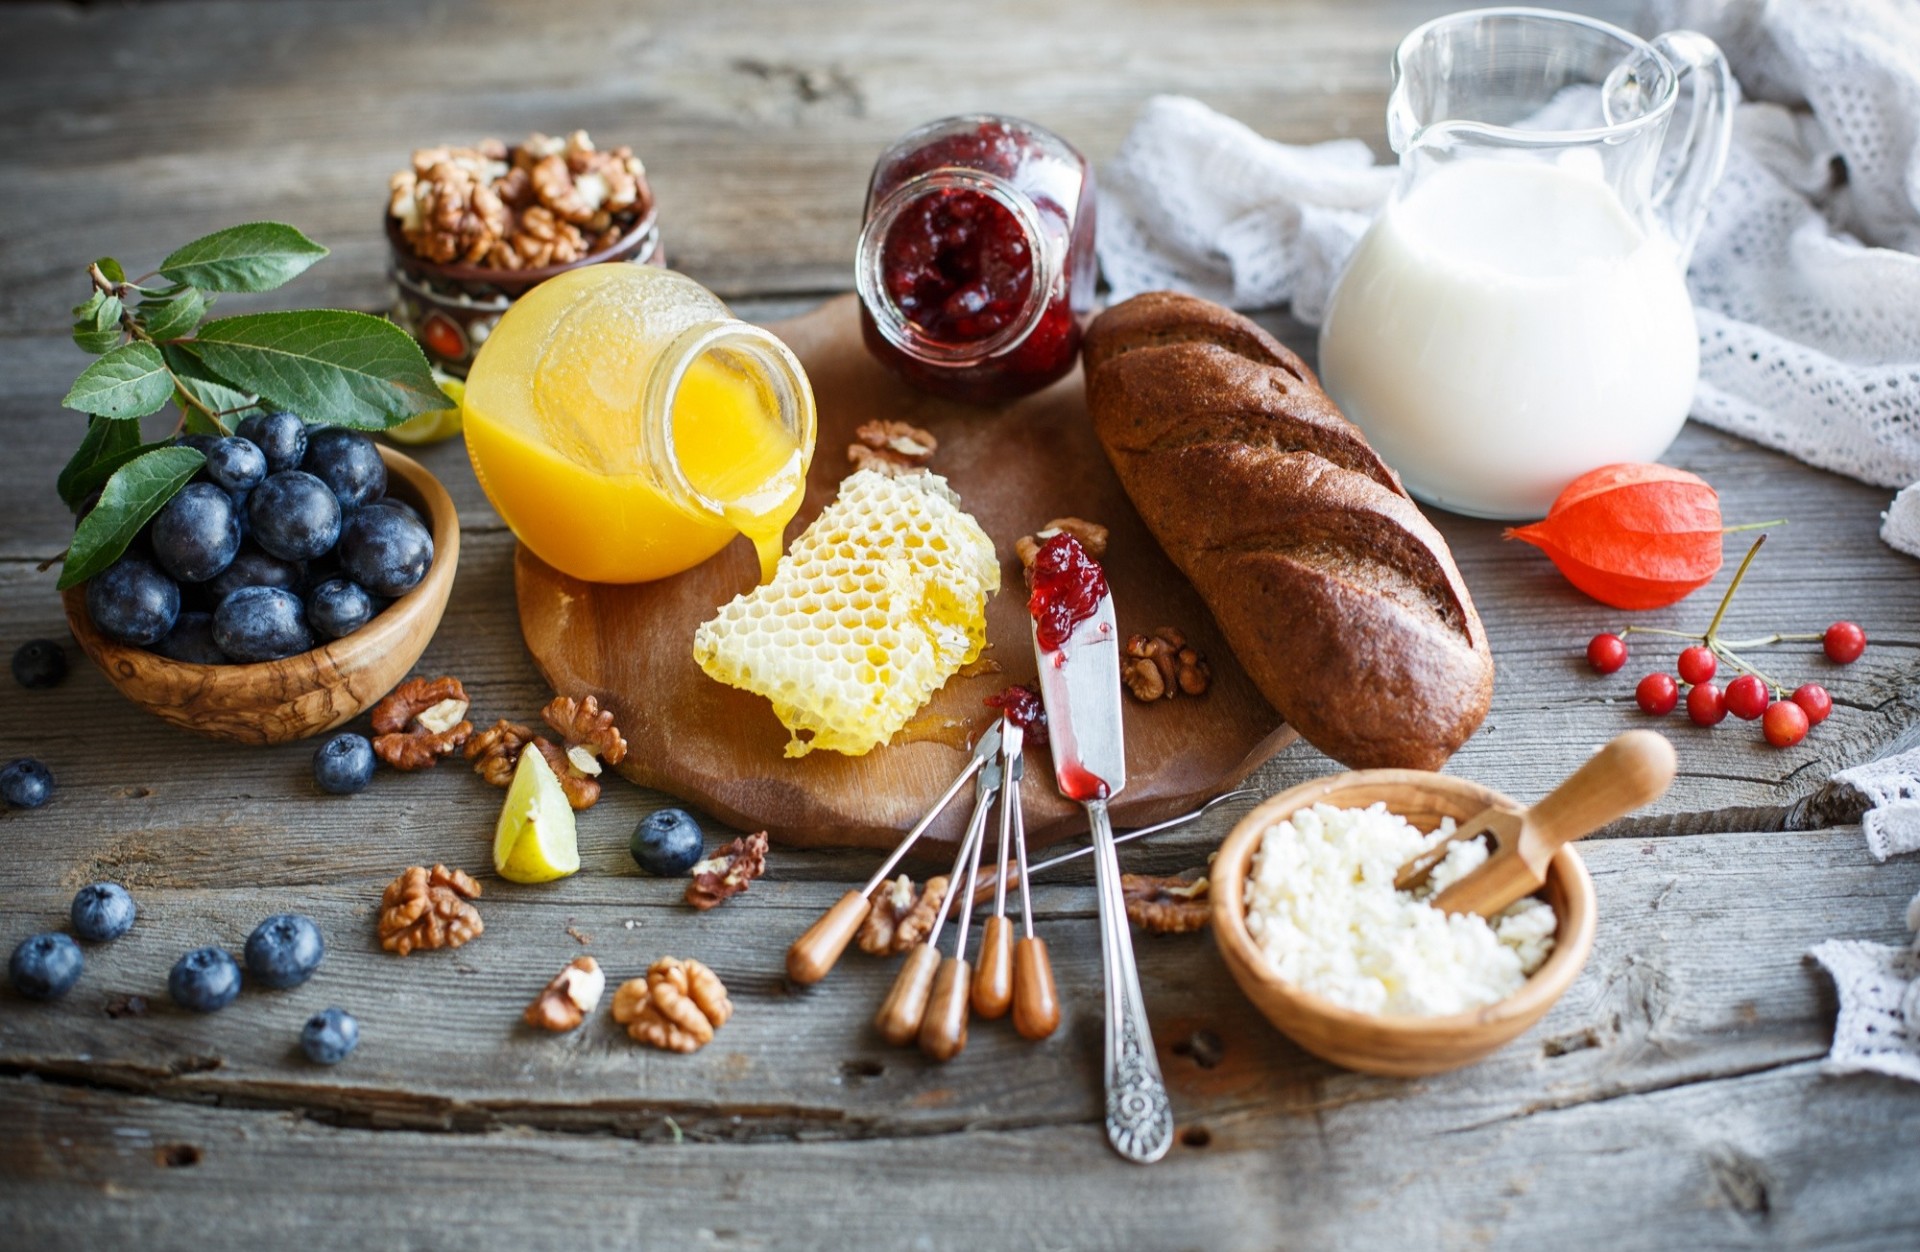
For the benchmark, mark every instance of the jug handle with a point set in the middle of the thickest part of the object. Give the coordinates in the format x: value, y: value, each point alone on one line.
x: 1701, y: 154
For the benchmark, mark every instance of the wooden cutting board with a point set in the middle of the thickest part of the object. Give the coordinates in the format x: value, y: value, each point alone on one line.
x: 720, y: 749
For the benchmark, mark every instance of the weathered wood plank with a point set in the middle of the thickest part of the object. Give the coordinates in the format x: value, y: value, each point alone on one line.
x: 1697, y: 973
x: 1778, y: 1159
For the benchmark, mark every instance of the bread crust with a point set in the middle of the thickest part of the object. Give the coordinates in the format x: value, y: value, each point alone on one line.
x: 1337, y: 596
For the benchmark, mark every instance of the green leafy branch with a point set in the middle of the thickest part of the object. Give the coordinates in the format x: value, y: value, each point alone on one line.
x: 154, y: 347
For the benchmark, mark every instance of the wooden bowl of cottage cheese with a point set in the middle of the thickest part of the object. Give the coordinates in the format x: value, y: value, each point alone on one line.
x: 1381, y: 983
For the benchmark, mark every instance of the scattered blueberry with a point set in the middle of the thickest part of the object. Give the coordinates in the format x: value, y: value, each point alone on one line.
x: 396, y: 505
x: 385, y: 551
x: 45, y: 967
x: 204, y: 980
x: 338, y: 607
x: 347, y: 461
x: 102, y: 911
x: 191, y: 640
x: 25, y: 783
x: 295, y: 516
x: 329, y: 1035
x: 195, y: 535
x: 235, y: 464
x: 254, y: 567
x: 343, y: 764
x: 281, y: 436
x: 131, y: 601
x: 261, y: 624
x: 666, y: 842
x: 284, y: 950
x: 40, y: 663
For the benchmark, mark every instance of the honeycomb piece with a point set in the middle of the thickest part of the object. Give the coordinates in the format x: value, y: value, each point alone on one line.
x: 875, y: 606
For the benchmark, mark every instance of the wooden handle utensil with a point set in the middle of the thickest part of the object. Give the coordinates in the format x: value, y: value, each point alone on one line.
x: 1036, y: 1004
x: 1633, y: 770
x: 905, y: 1007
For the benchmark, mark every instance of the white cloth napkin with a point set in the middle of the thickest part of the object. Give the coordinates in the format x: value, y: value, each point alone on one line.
x: 1805, y: 281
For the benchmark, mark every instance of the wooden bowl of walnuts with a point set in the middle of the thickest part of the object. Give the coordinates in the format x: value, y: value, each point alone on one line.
x: 304, y: 694
x: 472, y: 229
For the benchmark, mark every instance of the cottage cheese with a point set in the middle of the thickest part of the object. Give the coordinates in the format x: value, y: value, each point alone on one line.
x: 1322, y: 907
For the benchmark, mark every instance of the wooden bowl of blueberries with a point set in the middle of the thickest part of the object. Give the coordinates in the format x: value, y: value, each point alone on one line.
x: 283, y: 592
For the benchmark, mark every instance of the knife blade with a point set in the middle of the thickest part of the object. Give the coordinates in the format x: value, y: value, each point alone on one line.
x: 1080, y: 685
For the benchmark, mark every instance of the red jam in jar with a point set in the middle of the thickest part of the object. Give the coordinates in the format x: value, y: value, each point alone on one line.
x: 1067, y: 587
x: 1022, y: 707
x: 976, y: 263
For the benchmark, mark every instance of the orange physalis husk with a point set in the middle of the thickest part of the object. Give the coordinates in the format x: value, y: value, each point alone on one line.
x: 1632, y: 536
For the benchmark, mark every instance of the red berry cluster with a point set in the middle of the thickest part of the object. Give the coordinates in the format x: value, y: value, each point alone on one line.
x: 1784, y: 722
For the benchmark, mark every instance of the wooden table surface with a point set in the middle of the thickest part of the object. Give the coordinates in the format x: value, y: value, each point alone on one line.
x: 1674, y: 1097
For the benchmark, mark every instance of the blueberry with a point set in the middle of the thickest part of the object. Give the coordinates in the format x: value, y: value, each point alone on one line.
x: 338, y: 607
x: 25, y: 783
x: 45, y: 967
x: 204, y: 980
x: 131, y: 601
x: 240, y: 515
x: 254, y: 567
x: 196, y: 534
x: 284, y: 950
x: 191, y: 640
x: 281, y: 436
x: 329, y: 1035
x: 40, y: 663
x: 102, y: 911
x: 666, y: 842
x: 385, y: 551
x: 398, y: 506
x: 261, y: 624
x: 343, y: 764
x: 203, y: 444
x: 347, y: 461
x: 295, y: 516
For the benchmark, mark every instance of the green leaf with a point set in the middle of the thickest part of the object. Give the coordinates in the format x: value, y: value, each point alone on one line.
x: 130, y: 381
x: 327, y: 365
x: 173, y: 317
x: 105, y: 440
x: 133, y: 494
x: 192, y: 376
x: 96, y: 326
x: 111, y: 269
x: 258, y: 256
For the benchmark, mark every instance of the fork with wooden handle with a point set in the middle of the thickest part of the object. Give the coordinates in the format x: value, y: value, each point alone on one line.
x: 993, y: 979
x: 904, y: 1010
x: 1633, y: 770
x: 943, y: 1032
x: 814, y: 953
x: 1036, y: 1002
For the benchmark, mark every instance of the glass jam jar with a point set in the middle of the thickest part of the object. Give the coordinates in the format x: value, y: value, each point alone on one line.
x: 976, y: 263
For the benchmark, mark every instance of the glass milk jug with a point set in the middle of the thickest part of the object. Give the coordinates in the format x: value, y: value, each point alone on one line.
x: 1518, y: 313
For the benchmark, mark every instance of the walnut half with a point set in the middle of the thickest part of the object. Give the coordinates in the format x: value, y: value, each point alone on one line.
x: 420, y: 722
x: 424, y: 909
x: 893, y: 448
x: 727, y: 873
x: 1161, y: 666
x: 901, y: 916
x: 676, y: 1007
x: 1166, y: 906
x: 565, y: 1002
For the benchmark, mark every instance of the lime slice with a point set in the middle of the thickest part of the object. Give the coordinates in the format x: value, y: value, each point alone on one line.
x: 534, y: 840
x: 437, y: 425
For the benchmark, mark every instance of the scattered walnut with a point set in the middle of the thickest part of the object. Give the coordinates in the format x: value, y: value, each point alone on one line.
x: 893, y: 446
x: 422, y: 721
x: 496, y: 750
x: 1161, y: 665
x: 566, y: 1001
x: 581, y: 790
x: 1092, y: 537
x: 902, y: 915
x: 1165, y: 906
x: 423, y: 909
x: 588, y: 732
x: 727, y: 874
x: 677, y: 1006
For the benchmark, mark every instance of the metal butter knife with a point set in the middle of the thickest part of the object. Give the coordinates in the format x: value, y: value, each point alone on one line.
x: 1080, y: 685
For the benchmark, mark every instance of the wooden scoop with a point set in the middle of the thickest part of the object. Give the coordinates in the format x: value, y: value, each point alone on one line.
x: 1635, y: 769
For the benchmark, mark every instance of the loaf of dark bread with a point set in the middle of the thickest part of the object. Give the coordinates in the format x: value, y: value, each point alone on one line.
x: 1337, y: 596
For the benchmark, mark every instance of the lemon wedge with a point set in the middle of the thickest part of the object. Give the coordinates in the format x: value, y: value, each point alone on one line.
x: 437, y: 425
x: 534, y: 840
